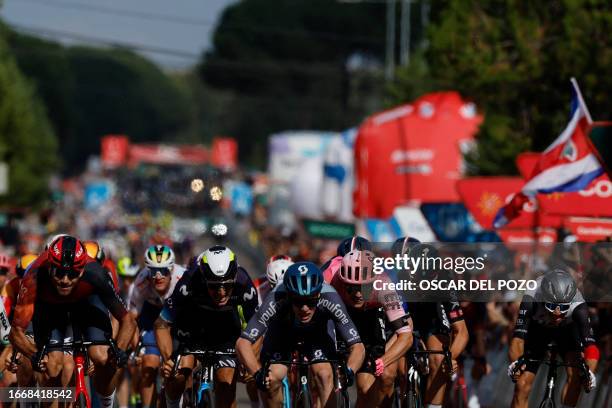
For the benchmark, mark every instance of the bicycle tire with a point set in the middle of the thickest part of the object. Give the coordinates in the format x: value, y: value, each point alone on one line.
x: 81, y: 401
x: 206, y: 401
x: 547, y: 403
x: 412, y: 400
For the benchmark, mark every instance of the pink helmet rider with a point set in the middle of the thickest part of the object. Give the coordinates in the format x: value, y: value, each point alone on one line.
x: 357, y: 268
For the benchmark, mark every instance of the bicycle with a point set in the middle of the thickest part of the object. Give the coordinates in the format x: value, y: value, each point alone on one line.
x: 81, y: 365
x: 551, y: 378
x: 418, y: 368
x: 200, y: 393
x: 302, y: 395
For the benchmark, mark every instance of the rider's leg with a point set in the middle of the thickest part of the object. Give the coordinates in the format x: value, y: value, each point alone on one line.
x: 225, y: 387
x: 385, y: 386
x: 52, y: 375
x: 274, y: 396
x: 68, y: 369
x: 573, y: 385
x: 324, y: 381
x: 520, y: 399
x: 438, y: 375
x: 364, y: 383
x: 175, y: 385
x: 150, y: 368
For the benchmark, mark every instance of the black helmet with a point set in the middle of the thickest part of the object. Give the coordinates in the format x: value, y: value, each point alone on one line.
x: 558, y: 286
x: 353, y: 243
x: 402, y: 245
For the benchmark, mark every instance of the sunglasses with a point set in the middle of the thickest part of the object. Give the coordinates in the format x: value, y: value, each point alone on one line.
x: 552, y: 307
x: 310, y: 302
x: 162, y: 271
x: 217, y: 286
x: 353, y: 288
x: 60, y: 273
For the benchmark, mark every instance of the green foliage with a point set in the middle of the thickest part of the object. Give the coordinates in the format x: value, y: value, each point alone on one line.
x: 515, y: 59
x: 27, y: 142
x: 281, y: 64
x: 90, y: 92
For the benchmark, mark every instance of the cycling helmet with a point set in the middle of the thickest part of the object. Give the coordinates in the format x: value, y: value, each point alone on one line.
x: 53, y: 238
x: 558, y: 286
x: 125, y: 267
x: 159, y: 256
x: 67, y: 252
x: 23, y: 262
x: 357, y: 268
x: 5, y: 261
x: 402, y: 246
x: 94, y: 250
x: 277, y: 266
x: 303, y: 279
x: 353, y: 243
x: 218, y: 263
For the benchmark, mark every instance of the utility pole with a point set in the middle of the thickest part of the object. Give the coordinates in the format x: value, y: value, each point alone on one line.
x: 390, y: 45
x: 405, y: 33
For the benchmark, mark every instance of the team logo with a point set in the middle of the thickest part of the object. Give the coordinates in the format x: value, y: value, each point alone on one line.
x: 254, y: 332
x: 250, y: 295
x: 183, y: 290
x: 303, y: 269
x: 318, y: 353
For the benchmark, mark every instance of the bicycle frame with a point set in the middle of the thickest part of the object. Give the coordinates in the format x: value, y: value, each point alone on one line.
x: 80, y: 364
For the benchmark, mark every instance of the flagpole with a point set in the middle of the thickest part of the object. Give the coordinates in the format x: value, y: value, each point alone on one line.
x: 581, y: 100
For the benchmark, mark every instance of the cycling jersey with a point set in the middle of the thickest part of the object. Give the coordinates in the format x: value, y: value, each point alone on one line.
x: 54, y: 317
x: 263, y: 289
x: 388, y: 300
x: 12, y: 290
x: 5, y: 327
x: 275, y: 316
x: 331, y: 267
x: 536, y: 327
x: 110, y: 268
x: 198, y: 322
x: 144, y: 291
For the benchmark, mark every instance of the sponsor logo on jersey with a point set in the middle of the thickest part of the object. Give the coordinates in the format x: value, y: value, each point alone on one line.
x: 334, y: 309
x: 250, y: 295
x: 267, y: 314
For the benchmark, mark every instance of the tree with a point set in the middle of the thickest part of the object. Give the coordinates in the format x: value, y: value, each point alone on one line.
x: 90, y: 92
x: 27, y: 142
x: 282, y: 64
x: 515, y: 59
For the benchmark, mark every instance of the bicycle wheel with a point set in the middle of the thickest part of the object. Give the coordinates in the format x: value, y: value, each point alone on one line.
x: 547, y: 403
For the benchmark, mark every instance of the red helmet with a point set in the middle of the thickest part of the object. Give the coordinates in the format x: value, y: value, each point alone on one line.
x: 67, y: 252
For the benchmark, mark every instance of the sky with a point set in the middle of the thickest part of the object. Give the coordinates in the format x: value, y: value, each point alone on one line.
x: 177, y: 30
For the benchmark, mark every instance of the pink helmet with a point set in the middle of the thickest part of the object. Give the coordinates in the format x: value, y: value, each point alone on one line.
x: 357, y: 268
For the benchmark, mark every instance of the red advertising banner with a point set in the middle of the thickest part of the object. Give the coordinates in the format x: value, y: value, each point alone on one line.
x: 527, y: 236
x: 594, y: 201
x: 114, y: 150
x: 589, y: 229
x: 484, y: 196
x: 224, y: 153
x: 412, y: 153
x: 165, y: 154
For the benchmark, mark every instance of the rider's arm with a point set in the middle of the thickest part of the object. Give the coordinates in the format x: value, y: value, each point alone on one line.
x: 24, y: 310
x: 355, y: 357
x: 400, y: 322
x: 246, y: 355
x: 580, y: 316
x: 163, y: 337
x: 517, y: 344
x: 250, y: 300
x: 459, y: 329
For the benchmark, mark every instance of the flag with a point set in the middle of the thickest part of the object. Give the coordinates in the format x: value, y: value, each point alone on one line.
x: 567, y: 165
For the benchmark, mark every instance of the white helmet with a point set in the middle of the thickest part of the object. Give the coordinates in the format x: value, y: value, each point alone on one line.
x: 159, y: 256
x: 277, y: 266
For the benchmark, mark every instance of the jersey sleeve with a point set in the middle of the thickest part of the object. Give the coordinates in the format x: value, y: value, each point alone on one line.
x: 581, y: 319
x: 394, y: 310
x: 331, y: 302
x: 24, y: 309
x: 453, y: 311
x: 258, y: 323
x: 524, y: 317
x: 105, y: 289
x: 176, y: 301
x: 137, y: 296
x: 249, y: 298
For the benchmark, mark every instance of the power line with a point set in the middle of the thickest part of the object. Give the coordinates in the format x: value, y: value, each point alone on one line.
x: 203, y: 23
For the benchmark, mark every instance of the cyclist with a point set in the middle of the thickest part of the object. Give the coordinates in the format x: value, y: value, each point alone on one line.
x: 154, y: 284
x: 95, y: 251
x: 555, y: 310
x: 127, y: 275
x: 64, y: 289
x: 346, y: 245
x: 299, y: 310
x: 207, y: 311
x: 439, y: 324
x: 277, y: 266
x: 371, y: 310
